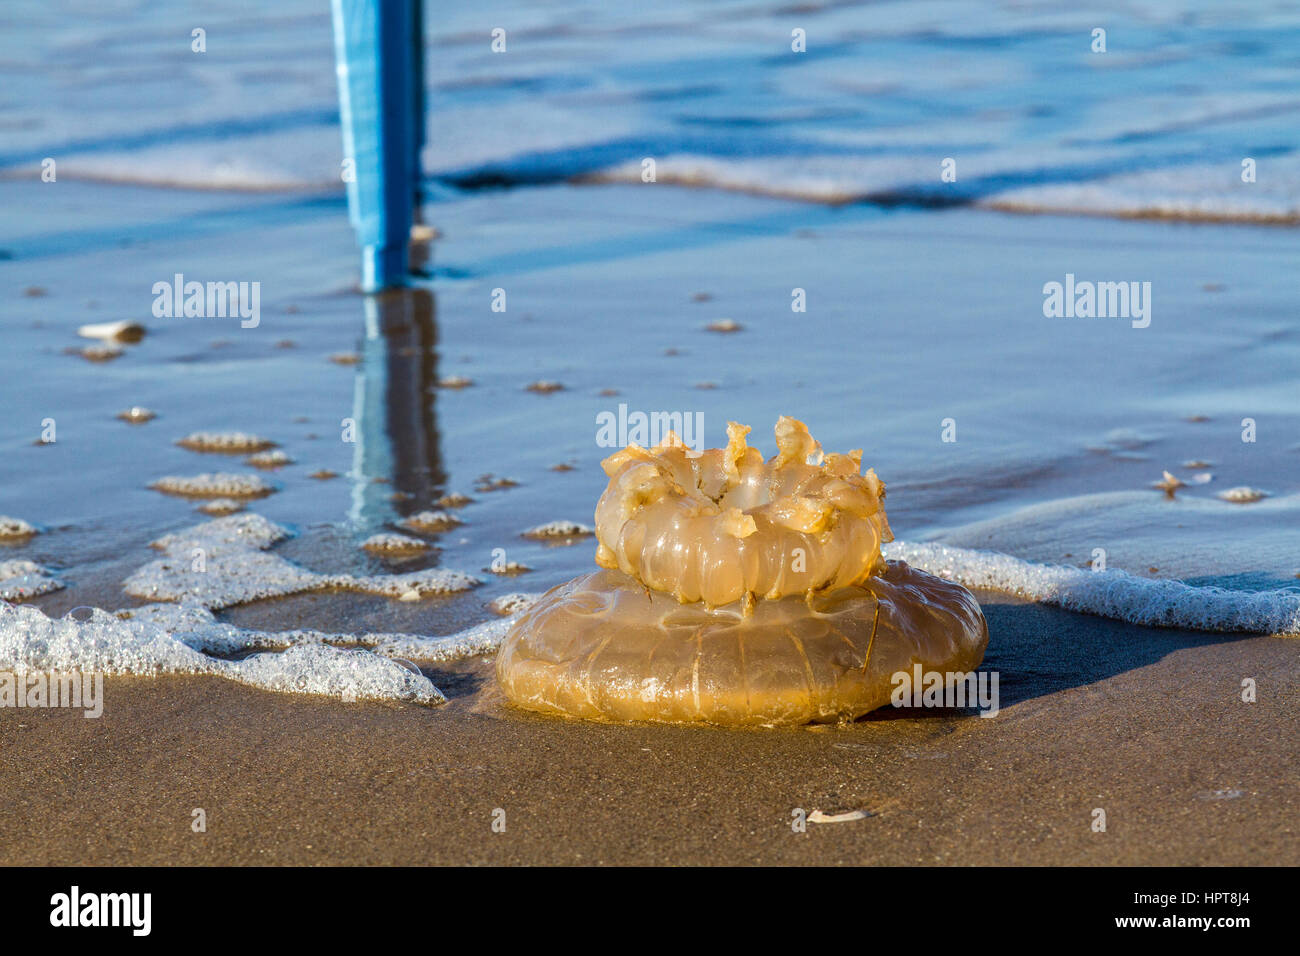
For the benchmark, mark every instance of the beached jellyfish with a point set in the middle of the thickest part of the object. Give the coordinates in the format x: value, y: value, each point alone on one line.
x: 735, y: 590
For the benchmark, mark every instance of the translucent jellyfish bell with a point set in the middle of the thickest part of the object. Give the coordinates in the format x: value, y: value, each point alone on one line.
x: 738, y: 591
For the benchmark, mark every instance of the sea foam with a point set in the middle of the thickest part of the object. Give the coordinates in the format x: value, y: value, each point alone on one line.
x: 225, y: 562
x: 140, y: 645
x: 1110, y: 593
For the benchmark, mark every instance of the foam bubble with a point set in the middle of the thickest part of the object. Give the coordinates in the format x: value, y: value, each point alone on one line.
x: 219, y: 507
x: 214, y: 485
x: 559, y: 529
x: 226, y: 443
x: 20, y: 580
x: 1111, y: 593
x: 429, y: 522
x: 508, y: 605
x: 394, y: 544
x: 225, y: 562
x: 269, y: 459
x: 1243, y: 495
x: 11, y: 528
x: 142, y: 645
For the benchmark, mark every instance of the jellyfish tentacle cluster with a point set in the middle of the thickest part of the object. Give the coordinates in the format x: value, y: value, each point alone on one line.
x: 738, y: 590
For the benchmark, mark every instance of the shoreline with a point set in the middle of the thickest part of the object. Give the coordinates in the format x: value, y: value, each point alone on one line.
x: 1144, y: 723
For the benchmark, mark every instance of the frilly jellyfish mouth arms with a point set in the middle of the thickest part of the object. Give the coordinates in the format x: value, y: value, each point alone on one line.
x: 713, y: 526
x: 737, y: 590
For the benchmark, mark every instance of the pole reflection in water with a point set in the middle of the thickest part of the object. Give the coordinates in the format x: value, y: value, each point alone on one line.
x: 396, y: 426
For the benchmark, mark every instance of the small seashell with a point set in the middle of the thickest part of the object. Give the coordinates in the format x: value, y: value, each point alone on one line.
x: 113, y: 331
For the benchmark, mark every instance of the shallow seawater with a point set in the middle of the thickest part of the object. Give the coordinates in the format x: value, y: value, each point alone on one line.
x: 1060, y: 425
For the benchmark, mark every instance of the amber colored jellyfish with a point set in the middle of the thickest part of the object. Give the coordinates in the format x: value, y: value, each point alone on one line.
x: 735, y: 590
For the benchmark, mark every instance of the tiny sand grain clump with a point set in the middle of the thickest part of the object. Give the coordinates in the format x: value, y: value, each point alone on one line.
x: 543, y: 387
x: 269, y: 459
x: 454, y: 500
x: 455, y: 382
x: 345, y: 358
x: 724, y: 326
x: 214, y: 485
x: 394, y: 544
x: 558, y: 529
x: 1243, y: 495
x: 14, y: 529
x: 220, y: 507
x: 323, y: 474
x: 431, y: 522
x: 136, y: 415
x: 225, y: 443
x: 492, y: 483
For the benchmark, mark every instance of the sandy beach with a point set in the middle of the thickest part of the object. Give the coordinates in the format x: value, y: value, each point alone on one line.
x: 1144, y: 723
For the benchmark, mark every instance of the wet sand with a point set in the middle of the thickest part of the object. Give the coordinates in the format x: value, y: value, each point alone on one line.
x: 1147, y: 724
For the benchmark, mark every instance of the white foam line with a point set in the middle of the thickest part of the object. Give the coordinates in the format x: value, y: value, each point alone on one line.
x: 1111, y: 593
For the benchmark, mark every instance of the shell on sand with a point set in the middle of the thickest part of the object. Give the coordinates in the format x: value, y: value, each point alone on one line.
x: 113, y: 331
x: 604, y: 647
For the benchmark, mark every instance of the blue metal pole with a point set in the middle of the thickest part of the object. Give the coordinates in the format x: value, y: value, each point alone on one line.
x: 374, y: 56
